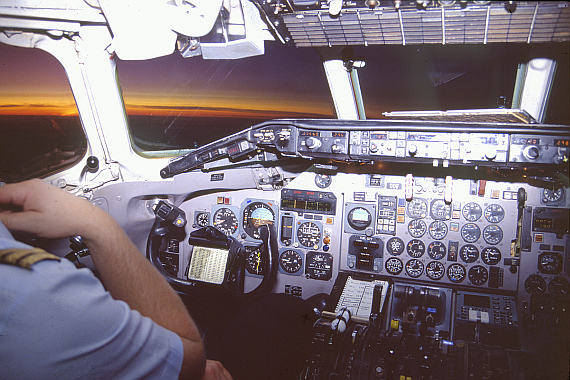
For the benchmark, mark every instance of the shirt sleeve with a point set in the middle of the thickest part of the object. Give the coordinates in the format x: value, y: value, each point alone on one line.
x: 58, y: 322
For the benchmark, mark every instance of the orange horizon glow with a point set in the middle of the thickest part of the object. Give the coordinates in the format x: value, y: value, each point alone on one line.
x: 145, y: 110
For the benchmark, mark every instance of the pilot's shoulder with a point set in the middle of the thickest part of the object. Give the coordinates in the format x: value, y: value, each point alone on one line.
x: 25, y: 257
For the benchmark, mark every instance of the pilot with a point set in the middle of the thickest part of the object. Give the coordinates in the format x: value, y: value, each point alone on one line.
x: 60, y: 322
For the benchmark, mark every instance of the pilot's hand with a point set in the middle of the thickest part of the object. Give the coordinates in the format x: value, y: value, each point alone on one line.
x: 39, y: 208
x: 216, y: 371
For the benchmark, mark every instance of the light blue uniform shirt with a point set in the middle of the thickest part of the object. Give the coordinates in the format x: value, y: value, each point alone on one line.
x: 58, y: 322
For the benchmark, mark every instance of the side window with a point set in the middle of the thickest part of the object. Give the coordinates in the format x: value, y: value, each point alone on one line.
x: 40, y: 129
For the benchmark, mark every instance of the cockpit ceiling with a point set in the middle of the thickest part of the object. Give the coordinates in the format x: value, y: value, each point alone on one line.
x: 459, y: 23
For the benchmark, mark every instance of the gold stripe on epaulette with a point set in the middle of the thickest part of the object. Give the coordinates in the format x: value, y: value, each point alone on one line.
x: 25, y: 257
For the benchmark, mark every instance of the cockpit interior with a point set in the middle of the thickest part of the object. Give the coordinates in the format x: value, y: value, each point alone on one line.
x: 429, y: 243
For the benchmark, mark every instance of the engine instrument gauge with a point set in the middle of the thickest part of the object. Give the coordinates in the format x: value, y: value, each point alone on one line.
x: 550, y: 262
x: 478, y: 275
x: 472, y: 212
x: 254, y: 262
x: 469, y: 253
x: 414, y: 268
x: 438, y: 229
x: 435, y: 270
x: 226, y: 221
x: 493, y: 234
x: 202, y: 219
x: 494, y: 213
x: 255, y: 215
x: 319, y: 266
x: 559, y: 287
x: 323, y: 180
x: 440, y: 210
x: 491, y: 256
x: 359, y: 218
x: 436, y: 250
x: 456, y: 273
x: 417, y: 208
x: 395, y: 246
x: 470, y: 232
x: 550, y: 196
x: 417, y: 228
x: 290, y: 261
x: 416, y: 248
x: 309, y: 234
x: 394, y: 266
x: 535, y: 284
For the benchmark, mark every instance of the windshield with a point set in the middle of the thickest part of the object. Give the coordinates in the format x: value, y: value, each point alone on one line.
x: 455, y: 77
x: 180, y: 103
x: 184, y: 103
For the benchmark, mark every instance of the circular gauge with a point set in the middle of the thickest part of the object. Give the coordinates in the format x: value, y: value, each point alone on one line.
x: 395, y: 246
x: 478, y: 275
x: 552, y: 195
x: 491, y: 256
x: 291, y: 261
x: 469, y: 253
x: 309, y: 234
x: 456, y: 272
x: 226, y: 221
x: 436, y: 250
x: 203, y: 219
x: 550, y: 262
x: 394, y: 266
x: 440, y: 210
x: 418, y: 208
x: 435, y: 270
x: 494, y: 213
x: 417, y: 228
x: 359, y: 218
x: 416, y: 248
x: 493, y: 234
x: 414, y: 268
x: 535, y: 284
x: 559, y: 287
x: 254, y: 263
x: 472, y: 212
x: 323, y: 180
x: 438, y: 229
x: 255, y: 215
x: 319, y: 266
x: 470, y: 232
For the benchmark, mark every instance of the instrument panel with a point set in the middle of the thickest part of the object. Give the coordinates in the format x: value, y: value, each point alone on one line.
x: 441, y: 231
x: 483, y: 229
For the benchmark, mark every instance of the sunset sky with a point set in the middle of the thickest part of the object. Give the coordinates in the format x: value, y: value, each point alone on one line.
x: 285, y: 82
x: 33, y: 82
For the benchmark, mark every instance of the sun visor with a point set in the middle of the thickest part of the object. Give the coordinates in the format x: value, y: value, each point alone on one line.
x: 144, y: 29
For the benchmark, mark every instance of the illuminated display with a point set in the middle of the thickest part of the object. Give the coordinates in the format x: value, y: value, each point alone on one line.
x: 338, y: 134
x: 379, y: 135
x: 562, y: 143
x: 310, y: 201
x: 526, y: 141
x: 310, y: 133
x: 360, y: 214
x: 543, y: 223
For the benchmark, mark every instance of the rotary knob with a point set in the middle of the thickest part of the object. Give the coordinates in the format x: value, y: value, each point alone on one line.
x: 336, y: 148
x: 490, y: 153
x: 531, y: 152
x: 412, y: 149
x: 313, y: 143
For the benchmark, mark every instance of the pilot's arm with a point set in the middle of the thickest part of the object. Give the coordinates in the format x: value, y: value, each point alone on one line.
x: 45, y: 211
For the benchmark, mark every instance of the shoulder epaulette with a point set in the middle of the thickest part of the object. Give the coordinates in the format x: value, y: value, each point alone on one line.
x: 25, y: 257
